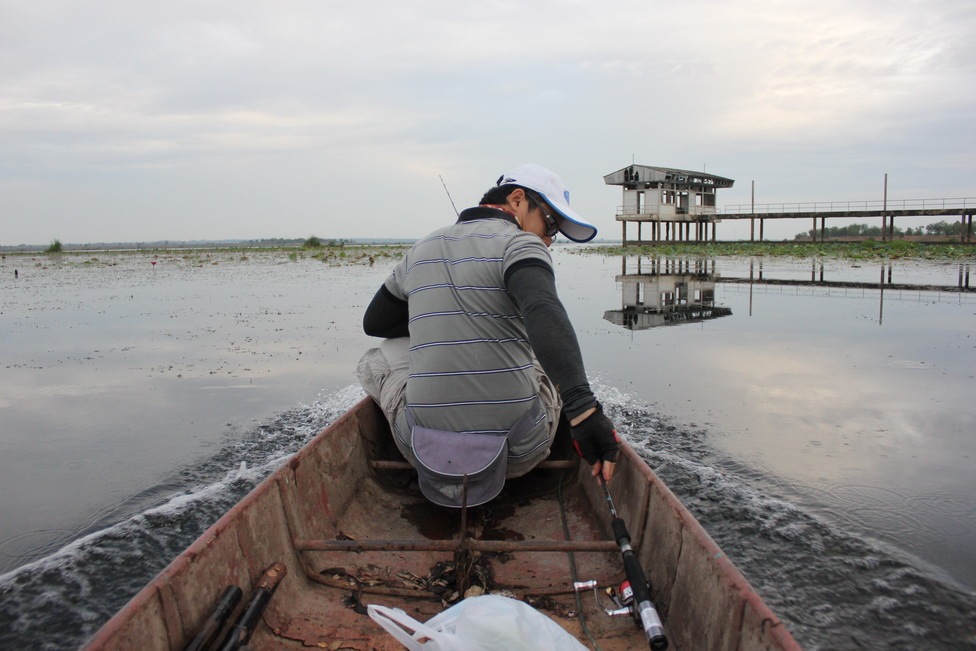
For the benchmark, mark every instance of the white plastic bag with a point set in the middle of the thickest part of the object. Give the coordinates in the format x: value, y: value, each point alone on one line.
x: 485, y: 623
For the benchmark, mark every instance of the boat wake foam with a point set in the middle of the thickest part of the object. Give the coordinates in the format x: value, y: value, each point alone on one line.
x: 59, y: 601
x: 832, y: 588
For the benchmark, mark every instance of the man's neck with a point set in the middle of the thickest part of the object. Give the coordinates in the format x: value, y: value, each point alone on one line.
x: 505, y: 209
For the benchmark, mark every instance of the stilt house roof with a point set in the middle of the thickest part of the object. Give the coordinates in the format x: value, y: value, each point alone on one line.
x: 633, y: 175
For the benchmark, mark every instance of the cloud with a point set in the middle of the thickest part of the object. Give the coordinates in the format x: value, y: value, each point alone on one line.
x: 164, y: 105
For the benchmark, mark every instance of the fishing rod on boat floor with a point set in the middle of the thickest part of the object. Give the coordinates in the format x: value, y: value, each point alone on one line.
x: 218, y: 617
x: 640, y: 601
x: 240, y: 634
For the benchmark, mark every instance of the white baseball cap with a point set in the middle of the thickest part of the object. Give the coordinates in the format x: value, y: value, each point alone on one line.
x: 553, y: 190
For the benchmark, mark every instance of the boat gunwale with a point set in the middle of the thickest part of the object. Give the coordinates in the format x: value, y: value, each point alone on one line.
x: 156, y: 588
x: 751, y: 610
x: 728, y: 570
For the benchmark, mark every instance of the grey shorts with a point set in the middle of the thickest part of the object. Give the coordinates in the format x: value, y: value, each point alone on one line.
x: 383, y: 372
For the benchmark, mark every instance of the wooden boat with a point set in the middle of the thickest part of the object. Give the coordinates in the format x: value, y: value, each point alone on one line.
x: 343, y: 525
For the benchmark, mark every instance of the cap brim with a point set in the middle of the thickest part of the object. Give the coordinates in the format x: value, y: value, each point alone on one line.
x: 573, y: 226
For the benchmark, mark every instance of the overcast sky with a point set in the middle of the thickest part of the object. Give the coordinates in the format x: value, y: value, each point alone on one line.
x: 141, y: 121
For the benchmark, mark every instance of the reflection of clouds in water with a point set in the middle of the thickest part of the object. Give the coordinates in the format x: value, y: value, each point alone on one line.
x: 866, y: 505
x: 825, y: 393
x: 806, y: 386
x: 908, y: 363
x: 833, y: 588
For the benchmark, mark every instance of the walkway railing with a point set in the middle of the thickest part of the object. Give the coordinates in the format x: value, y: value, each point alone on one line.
x: 848, y: 206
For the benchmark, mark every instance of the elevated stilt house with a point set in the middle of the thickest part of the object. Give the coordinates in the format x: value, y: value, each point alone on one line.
x: 678, y: 205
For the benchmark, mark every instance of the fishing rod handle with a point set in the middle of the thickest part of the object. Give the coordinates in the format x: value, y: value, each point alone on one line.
x: 218, y: 617
x: 644, y: 609
x: 649, y: 619
x: 632, y: 566
x: 635, y: 574
x: 241, y: 633
x: 620, y: 533
x: 653, y: 628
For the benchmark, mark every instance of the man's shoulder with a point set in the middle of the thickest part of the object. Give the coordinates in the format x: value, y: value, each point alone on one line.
x: 527, y: 245
x: 474, y: 234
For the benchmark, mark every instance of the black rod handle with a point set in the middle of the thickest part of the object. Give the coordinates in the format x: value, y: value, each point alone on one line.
x: 244, y: 627
x: 241, y: 633
x: 218, y: 617
x: 644, y: 610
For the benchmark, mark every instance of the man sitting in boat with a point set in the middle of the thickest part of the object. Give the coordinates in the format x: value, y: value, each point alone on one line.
x: 479, y: 355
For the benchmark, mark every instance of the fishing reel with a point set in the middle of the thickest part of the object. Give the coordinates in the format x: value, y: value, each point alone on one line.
x: 622, y: 597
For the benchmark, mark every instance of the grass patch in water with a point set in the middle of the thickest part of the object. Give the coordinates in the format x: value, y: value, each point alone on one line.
x: 868, y: 250
x: 345, y: 255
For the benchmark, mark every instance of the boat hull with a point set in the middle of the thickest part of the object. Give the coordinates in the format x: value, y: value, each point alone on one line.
x: 349, y: 526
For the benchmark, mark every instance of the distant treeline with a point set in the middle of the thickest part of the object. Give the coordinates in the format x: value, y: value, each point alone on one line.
x: 864, y: 230
x: 312, y: 242
x: 57, y: 247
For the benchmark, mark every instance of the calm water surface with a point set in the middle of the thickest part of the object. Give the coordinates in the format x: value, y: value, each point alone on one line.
x: 858, y: 399
x: 816, y: 418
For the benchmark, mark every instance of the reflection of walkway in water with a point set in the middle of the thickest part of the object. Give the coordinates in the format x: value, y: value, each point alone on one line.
x: 884, y: 282
x: 666, y: 292
x: 817, y: 279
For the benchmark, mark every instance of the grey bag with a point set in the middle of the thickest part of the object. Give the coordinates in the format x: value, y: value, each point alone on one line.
x: 445, y: 458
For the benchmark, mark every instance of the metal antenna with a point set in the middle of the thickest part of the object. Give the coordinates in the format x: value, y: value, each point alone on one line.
x: 448, y: 194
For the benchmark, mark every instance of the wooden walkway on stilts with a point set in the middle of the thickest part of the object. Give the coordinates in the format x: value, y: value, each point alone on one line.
x: 701, y: 228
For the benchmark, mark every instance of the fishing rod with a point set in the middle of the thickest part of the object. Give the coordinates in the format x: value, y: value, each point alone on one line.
x: 448, y: 195
x: 641, y: 606
x: 240, y: 634
x: 218, y: 617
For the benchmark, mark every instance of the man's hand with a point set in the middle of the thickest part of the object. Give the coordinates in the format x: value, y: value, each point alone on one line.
x: 595, y: 440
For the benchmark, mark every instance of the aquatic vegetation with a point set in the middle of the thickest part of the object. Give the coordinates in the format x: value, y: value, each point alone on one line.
x: 866, y: 250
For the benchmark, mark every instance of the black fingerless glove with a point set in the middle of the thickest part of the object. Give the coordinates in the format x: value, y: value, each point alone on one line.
x: 595, y: 439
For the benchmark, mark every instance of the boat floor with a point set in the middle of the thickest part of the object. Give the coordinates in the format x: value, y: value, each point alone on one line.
x: 343, y: 525
x: 329, y: 610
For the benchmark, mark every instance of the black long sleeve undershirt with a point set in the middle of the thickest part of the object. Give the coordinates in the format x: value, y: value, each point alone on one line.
x: 386, y: 316
x: 551, y: 335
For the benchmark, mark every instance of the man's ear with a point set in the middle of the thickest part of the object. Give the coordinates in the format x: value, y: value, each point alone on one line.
x: 516, y: 197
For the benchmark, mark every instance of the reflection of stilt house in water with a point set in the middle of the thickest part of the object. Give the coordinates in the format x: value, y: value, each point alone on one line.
x: 666, y: 292
x: 672, y: 201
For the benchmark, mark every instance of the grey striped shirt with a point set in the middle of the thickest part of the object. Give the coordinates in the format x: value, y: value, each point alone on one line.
x: 471, y: 365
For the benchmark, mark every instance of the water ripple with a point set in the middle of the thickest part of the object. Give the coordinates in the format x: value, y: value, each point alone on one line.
x: 833, y: 588
x: 59, y: 601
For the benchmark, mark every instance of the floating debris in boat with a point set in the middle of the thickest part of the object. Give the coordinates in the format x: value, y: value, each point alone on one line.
x: 353, y: 601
